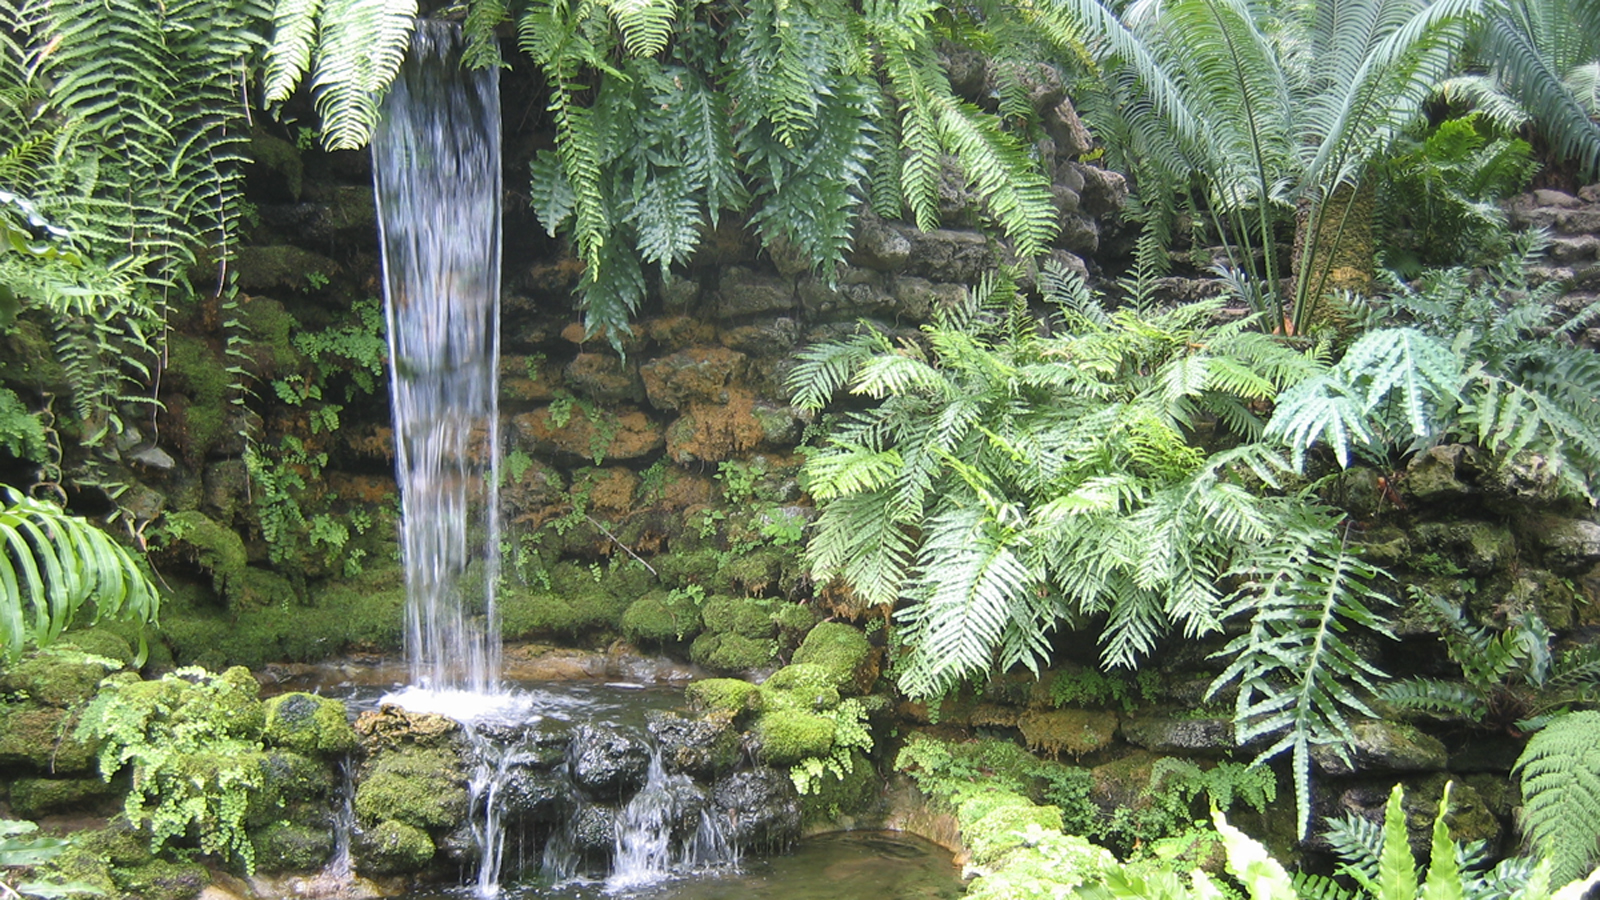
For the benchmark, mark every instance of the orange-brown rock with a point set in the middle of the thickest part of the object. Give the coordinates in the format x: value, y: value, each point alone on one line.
x: 610, y: 489
x: 700, y: 374
x: 710, y: 432
x: 622, y: 433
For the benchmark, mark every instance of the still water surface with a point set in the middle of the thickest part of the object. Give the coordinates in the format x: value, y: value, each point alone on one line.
x: 858, y: 865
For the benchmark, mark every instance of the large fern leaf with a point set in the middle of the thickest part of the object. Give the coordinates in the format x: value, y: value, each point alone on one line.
x: 1560, y: 778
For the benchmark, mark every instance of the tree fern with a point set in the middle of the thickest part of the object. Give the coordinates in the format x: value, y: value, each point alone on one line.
x: 1299, y: 679
x: 1559, y: 772
x: 52, y: 565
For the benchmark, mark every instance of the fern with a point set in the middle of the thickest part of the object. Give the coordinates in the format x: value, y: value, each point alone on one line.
x: 1005, y: 482
x: 1559, y: 773
x: 1298, y: 677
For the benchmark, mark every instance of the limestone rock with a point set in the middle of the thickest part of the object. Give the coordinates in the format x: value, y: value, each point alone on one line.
x: 1175, y: 735
x: 1383, y: 746
x: 693, y: 375
x: 604, y: 378
x: 1074, y: 731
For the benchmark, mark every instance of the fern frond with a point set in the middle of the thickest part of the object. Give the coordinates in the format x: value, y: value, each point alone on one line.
x: 1559, y: 772
x: 294, y: 35
x: 360, y: 46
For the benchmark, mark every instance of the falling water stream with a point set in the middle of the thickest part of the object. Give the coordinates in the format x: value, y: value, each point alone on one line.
x: 436, y: 174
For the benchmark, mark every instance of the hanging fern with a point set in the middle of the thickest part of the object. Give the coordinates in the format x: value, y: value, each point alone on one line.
x: 52, y: 565
x: 1559, y: 773
x: 1005, y: 482
x: 1299, y: 678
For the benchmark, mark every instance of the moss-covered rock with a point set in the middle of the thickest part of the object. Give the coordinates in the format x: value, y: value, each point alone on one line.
x: 1074, y: 731
x: 289, y: 847
x: 794, y: 621
x: 390, y: 728
x: 745, y: 616
x: 730, y: 652
x: 218, y: 551
x: 35, y: 797
x: 800, y: 686
x: 660, y: 617
x: 307, y: 723
x: 43, y: 739
x: 837, y: 800
x: 419, y: 786
x: 162, y: 879
x: 290, y: 782
x: 393, y: 848
x: 730, y: 695
x: 108, y: 642
x: 57, y: 676
x: 1005, y: 827
x: 787, y: 736
x: 844, y: 652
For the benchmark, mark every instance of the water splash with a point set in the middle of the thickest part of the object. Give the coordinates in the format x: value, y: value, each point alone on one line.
x: 646, y: 851
x: 436, y: 174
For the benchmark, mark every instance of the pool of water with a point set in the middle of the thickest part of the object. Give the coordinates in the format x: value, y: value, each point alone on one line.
x: 857, y: 865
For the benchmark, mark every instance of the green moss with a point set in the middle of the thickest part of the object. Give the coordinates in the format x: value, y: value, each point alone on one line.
x: 43, y: 739
x: 252, y: 588
x: 745, y: 616
x: 682, y: 568
x: 724, y: 694
x: 1050, y: 865
x: 418, y: 786
x: 794, y: 621
x: 287, y: 847
x: 217, y: 550
x: 278, y: 155
x: 837, y: 798
x: 57, y: 676
x: 271, y: 327
x: 196, y: 370
x: 309, y: 724
x: 394, y: 848
x: 100, y: 641
x: 1003, y: 828
x: 288, y: 781
x: 163, y: 879
x: 660, y: 617
x: 35, y: 797
x: 730, y: 652
x: 840, y: 649
x: 800, y: 686
x: 790, y: 735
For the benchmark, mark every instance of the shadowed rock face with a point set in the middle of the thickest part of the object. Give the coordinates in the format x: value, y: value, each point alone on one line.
x: 606, y: 763
x: 761, y: 806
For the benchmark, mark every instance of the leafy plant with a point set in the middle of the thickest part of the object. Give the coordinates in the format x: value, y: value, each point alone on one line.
x: 1440, y: 195
x: 52, y: 565
x: 1005, y: 481
x: 1459, y: 357
x: 1559, y: 773
x: 193, y: 741
x: 1299, y: 678
x: 1508, y: 678
x: 850, y: 734
x: 19, y: 849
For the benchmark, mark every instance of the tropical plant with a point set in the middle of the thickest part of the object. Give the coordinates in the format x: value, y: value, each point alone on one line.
x: 1006, y: 482
x: 1383, y: 869
x: 1440, y: 195
x: 21, y: 849
x: 1535, y: 64
x: 52, y: 565
x: 1299, y: 678
x: 1559, y: 773
x: 1274, y: 111
x: 1459, y: 356
x: 1509, y: 678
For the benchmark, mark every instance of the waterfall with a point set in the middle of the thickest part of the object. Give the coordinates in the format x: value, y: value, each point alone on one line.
x: 645, y: 850
x: 436, y: 174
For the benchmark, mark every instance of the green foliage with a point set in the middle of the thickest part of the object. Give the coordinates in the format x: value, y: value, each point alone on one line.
x: 52, y: 565
x: 850, y: 734
x: 1005, y: 481
x: 351, y: 49
x: 1299, y: 676
x: 193, y: 741
x: 20, y: 849
x: 1273, y: 111
x: 1507, y: 677
x: 1467, y: 358
x: 1091, y: 687
x: 1559, y: 773
x: 1440, y: 195
x: 22, y: 434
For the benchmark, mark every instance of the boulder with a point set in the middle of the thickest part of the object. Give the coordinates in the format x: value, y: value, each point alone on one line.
x: 607, y: 763
x: 1383, y: 746
x: 761, y: 806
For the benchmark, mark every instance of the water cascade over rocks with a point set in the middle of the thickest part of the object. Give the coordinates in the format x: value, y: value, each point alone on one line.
x: 436, y: 171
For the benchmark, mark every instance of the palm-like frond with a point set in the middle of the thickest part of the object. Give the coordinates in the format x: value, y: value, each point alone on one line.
x: 52, y: 565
